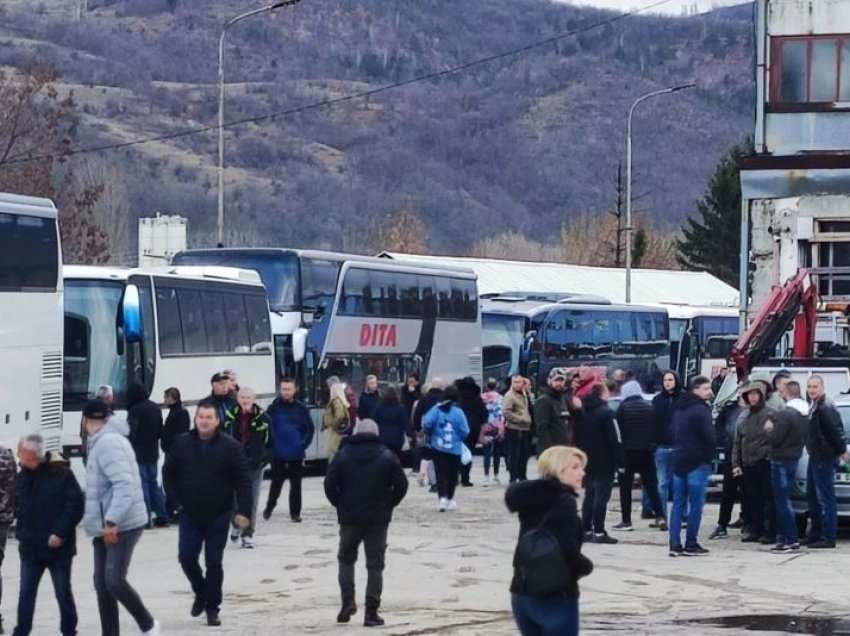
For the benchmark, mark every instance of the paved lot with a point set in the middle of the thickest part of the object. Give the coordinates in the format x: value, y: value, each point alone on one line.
x: 449, y: 573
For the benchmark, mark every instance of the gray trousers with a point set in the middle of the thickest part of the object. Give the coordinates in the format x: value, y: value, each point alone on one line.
x: 111, y: 563
x: 256, y: 486
x: 374, y: 539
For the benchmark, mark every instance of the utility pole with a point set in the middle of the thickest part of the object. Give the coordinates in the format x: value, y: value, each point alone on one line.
x: 628, y: 228
x: 227, y: 25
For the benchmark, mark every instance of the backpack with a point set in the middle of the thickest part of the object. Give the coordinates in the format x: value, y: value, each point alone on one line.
x: 540, y: 562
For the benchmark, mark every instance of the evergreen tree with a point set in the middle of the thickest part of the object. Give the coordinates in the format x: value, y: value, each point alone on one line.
x: 639, y: 247
x: 711, y: 239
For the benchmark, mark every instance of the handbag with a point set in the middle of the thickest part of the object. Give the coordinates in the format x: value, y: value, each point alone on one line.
x: 540, y: 563
x: 465, y: 455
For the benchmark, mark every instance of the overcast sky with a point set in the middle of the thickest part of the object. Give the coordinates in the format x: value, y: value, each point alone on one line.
x: 672, y: 7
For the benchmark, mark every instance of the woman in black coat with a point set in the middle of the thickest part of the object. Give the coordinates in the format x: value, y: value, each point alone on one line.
x: 550, y: 503
x: 392, y: 419
x: 477, y: 415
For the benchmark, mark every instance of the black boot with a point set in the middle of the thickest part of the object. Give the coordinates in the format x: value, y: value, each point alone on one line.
x: 349, y: 609
x: 371, y: 618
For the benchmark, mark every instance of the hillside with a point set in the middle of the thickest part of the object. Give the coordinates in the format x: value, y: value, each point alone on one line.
x: 521, y: 143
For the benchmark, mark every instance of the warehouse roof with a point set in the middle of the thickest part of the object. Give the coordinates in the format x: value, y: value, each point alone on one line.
x: 649, y: 286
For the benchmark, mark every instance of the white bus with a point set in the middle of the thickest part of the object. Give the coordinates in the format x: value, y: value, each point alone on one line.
x: 30, y: 320
x: 351, y: 316
x: 161, y: 327
x: 701, y: 339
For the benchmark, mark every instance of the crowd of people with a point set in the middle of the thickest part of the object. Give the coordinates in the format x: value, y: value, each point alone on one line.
x: 588, y: 431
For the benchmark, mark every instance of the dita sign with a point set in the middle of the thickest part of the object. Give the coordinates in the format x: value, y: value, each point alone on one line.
x: 353, y: 335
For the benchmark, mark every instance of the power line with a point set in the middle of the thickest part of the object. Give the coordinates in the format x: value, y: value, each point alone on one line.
x: 326, y: 103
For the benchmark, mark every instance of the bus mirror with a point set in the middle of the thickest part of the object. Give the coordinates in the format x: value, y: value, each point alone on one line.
x: 132, y: 314
x: 299, y: 344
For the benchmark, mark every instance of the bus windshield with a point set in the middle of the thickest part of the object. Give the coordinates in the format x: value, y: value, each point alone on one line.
x: 501, y: 340
x: 91, y: 349
x: 277, y: 270
x: 708, y: 326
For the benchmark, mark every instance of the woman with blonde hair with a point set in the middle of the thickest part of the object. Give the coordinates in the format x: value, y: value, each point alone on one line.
x: 335, y: 419
x: 548, y: 561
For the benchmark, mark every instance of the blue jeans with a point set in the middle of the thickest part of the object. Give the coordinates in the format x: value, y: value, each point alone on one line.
x: 212, y: 538
x: 688, y: 492
x: 60, y: 574
x: 820, y: 491
x: 782, y: 476
x: 664, y: 472
x: 492, y: 451
x: 548, y: 616
x: 154, y: 499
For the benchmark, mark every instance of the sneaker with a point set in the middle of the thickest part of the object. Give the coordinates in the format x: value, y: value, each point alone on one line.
x: 809, y: 540
x: 823, y: 544
x: 623, y: 527
x: 779, y: 548
x: 676, y: 551
x: 766, y: 540
x: 588, y: 537
x: 198, y: 606
x: 496, y: 480
x: 695, y: 550
x: 467, y: 484
x: 433, y: 488
x: 372, y: 618
x: 719, y: 533
x: 647, y: 514
x: 736, y: 524
x: 605, y: 539
x: 444, y: 503
x: 659, y: 524
x: 153, y: 631
x: 161, y: 522
x: 452, y: 505
x: 792, y: 547
x: 750, y: 538
x: 296, y: 518
x: 235, y: 533
x: 248, y: 543
x: 486, y: 483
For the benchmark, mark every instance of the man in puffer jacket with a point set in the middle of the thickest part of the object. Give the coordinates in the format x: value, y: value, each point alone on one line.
x: 787, y: 434
x: 750, y: 459
x: 115, y: 516
x: 635, y: 417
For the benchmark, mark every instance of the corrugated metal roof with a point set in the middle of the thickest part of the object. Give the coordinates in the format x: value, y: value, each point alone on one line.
x: 649, y: 286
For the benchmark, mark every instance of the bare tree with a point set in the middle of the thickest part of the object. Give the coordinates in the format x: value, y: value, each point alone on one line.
x: 37, y: 127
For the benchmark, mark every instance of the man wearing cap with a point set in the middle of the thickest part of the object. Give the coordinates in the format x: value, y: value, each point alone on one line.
x: 115, y: 516
x: 222, y: 395
x: 550, y: 413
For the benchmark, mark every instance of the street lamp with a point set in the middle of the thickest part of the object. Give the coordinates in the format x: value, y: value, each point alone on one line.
x: 228, y: 24
x: 628, y: 228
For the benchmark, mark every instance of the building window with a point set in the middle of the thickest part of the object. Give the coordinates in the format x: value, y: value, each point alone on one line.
x: 812, y: 69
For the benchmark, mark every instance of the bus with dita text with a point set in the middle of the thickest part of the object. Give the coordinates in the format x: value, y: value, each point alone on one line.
x: 350, y: 316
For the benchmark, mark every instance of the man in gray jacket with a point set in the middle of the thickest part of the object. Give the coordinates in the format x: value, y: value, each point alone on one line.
x: 115, y: 516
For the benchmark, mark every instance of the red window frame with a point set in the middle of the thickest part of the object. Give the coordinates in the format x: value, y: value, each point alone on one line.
x: 776, y: 66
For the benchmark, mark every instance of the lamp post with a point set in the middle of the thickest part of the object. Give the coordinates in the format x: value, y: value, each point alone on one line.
x: 628, y: 228
x: 227, y: 25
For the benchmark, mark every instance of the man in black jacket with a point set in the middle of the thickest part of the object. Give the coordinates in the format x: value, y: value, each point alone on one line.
x: 177, y: 422
x: 204, y: 472
x: 551, y: 413
x: 787, y: 435
x: 145, y: 420
x: 664, y: 403
x: 421, y: 453
x: 596, y: 435
x: 635, y: 417
x: 693, y: 450
x: 826, y: 442
x: 48, y: 505
x: 365, y: 482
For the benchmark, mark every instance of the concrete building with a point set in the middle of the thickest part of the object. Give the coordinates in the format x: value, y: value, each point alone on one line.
x: 796, y: 187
